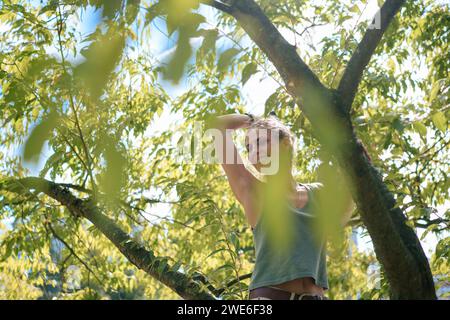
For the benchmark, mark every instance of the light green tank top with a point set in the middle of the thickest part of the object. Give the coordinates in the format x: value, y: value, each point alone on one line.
x: 306, y: 258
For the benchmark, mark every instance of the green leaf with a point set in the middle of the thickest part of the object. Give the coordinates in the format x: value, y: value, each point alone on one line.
x: 171, y: 26
x: 113, y: 178
x: 427, y: 231
x: 162, y: 265
x: 111, y: 8
x: 216, y: 251
x: 55, y: 157
x: 132, y: 10
x: 193, y: 20
x: 155, y: 10
x: 8, y: 249
x: 209, y: 41
x: 49, y: 7
x: 398, y: 125
x: 235, y: 241
x: 270, y: 104
x: 103, y: 54
x: 179, y: 59
x: 248, y: 71
x: 435, y: 90
x: 420, y: 128
x: 225, y: 266
x: 38, y: 136
x: 388, y: 140
x: 355, y: 9
x: 439, y: 121
x: 3, y: 74
x: 226, y: 58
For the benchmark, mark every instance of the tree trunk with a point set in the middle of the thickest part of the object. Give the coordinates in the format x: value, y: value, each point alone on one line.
x: 396, y: 244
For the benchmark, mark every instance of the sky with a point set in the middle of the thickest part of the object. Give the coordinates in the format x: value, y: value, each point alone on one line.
x: 255, y: 92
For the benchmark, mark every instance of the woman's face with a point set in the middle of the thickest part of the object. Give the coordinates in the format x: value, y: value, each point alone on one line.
x: 258, y: 145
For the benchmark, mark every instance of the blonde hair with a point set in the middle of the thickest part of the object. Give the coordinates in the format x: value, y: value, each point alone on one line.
x: 273, y: 123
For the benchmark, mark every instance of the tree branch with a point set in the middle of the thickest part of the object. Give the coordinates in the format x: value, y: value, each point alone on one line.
x: 361, y: 57
x: 72, y: 252
x: 186, y: 287
x: 219, y: 5
x: 428, y: 223
x: 294, y: 71
x: 395, y: 243
x: 233, y: 282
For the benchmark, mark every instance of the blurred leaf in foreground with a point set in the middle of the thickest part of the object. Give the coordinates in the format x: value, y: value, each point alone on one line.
x: 38, y: 136
x: 102, y: 55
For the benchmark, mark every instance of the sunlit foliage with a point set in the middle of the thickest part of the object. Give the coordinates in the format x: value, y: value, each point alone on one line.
x: 86, y: 105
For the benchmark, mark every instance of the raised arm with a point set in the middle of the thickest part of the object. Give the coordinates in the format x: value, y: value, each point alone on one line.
x: 242, y: 182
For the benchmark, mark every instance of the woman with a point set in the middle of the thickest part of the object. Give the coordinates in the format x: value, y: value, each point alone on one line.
x: 299, y: 273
